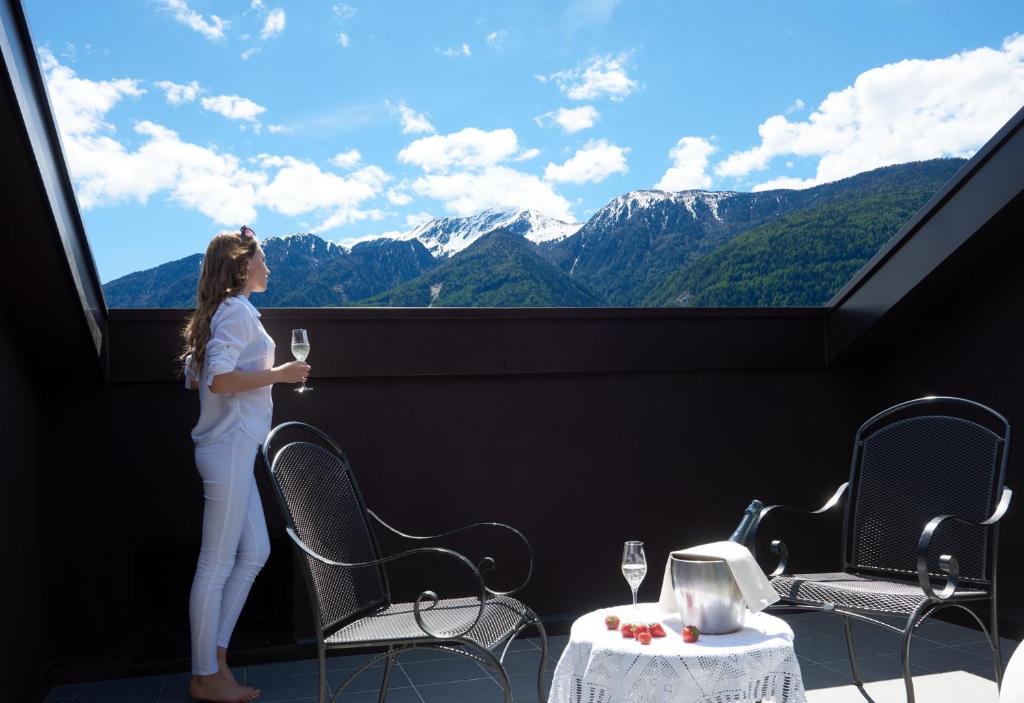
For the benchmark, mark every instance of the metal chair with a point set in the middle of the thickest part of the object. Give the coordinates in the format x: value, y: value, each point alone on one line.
x: 347, y: 581
x: 926, y: 493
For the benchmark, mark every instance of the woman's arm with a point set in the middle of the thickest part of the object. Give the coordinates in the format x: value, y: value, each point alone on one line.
x: 238, y: 381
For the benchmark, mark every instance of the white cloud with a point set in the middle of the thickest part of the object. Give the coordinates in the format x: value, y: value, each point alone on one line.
x: 527, y: 154
x: 274, y: 23
x: 462, y: 50
x: 300, y: 186
x: 467, y: 148
x: 344, y: 40
x: 343, y: 11
x: 905, y: 111
x: 570, y: 119
x: 234, y: 107
x: 600, y: 76
x: 178, y: 93
x: 80, y: 104
x: 212, y: 28
x: 346, y: 159
x: 796, y: 106
x: 278, y: 129
x: 413, y: 122
x: 592, y: 164
x: 250, y: 52
x: 466, y: 193
x: 689, y: 166
x: 398, y: 196
x: 496, y: 40
x: 200, y: 178
x: 417, y: 218
x: 583, y: 12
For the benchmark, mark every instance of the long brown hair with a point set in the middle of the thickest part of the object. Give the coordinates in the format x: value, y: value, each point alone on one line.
x: 224, y: 273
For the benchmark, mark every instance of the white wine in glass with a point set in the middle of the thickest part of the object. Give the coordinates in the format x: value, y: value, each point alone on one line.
x: 300, y: 350
x: 634, y: 566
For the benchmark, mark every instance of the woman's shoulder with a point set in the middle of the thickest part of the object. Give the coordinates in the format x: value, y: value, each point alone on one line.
x: 230, y: 307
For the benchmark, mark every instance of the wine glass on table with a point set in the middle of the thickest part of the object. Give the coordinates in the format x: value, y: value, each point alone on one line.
x: 300, y: 350
x: 634, y: 566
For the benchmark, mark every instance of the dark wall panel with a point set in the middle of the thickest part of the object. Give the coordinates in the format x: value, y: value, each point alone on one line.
x: 25, y: 634
x: 963, y: 337
x: 579, y: 462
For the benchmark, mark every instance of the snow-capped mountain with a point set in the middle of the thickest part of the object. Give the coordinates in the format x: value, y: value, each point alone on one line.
x: 444, y: 236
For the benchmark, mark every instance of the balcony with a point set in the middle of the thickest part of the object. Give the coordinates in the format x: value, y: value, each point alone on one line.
x: 580, y: 427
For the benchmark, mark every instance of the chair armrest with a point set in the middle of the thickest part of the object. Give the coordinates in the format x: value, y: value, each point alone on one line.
x: 948, y: 563
x: 487, y: 564
x: 778, y: 547
x: 431, y: 596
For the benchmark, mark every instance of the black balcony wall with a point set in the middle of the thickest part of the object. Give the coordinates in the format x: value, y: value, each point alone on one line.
x: 25, y: 635
x: 961, y: 334
x: 675, y: 424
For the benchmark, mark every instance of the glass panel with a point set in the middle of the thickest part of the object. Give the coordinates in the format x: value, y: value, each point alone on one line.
x: 530, y: 154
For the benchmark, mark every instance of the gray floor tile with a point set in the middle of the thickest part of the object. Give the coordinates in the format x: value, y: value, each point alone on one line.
x: 943, y: 659
x: 877, y: 668
x: 524, y: 687
x: 948, y: 634
x: 137, y: 690
x: 818, y: 676
x: 444, y: 671
x: 981, y: 649
x: 63, y: 692
x: 526, y: 662
x: 483, y: 690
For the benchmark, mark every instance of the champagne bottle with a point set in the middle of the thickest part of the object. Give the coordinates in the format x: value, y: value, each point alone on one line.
x: 749, y: 515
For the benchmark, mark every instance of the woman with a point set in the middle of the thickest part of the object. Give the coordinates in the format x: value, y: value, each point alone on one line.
x: 229, y: 357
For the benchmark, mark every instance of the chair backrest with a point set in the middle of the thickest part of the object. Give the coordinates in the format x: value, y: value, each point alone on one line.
x: 913, y: 462
x: 320, y: 500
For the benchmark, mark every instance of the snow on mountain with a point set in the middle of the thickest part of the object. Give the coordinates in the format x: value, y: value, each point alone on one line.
x: 635, y: 202
x: 445, y: 236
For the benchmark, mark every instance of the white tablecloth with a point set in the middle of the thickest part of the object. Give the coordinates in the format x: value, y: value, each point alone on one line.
x: 600, y: 666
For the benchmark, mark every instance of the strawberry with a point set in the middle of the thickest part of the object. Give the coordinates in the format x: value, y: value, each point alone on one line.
x: 643, y: 637
x: 657, y: 630
x: 690, y: 633
x: 641, y: 628
x: 627, y: 630
x: 611, y: 622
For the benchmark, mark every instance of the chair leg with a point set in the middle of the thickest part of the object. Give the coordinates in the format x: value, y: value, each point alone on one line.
x: 993, y: 633
x: 322, y: 657
x: 908, y: 679
x: 854, y: 667
x: 541, y: 698
x: 388, y: 664
x: 499, y: 669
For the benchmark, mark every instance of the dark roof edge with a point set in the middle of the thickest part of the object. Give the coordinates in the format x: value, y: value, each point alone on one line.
x: 937, y: 201
x: 41, y: 133
x: 935, y: 238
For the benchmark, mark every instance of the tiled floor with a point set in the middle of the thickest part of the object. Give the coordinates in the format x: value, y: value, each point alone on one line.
x: 950, y: 663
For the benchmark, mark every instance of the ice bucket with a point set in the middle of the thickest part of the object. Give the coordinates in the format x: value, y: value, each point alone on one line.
x: 707, y: 595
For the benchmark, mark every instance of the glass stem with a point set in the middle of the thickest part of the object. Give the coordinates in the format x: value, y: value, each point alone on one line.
x: 634, y: 600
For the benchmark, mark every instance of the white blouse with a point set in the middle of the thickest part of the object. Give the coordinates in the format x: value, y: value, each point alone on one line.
x: 237, y: 342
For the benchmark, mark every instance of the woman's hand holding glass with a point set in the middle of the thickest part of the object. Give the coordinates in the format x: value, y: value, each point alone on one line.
x: 293, y: 372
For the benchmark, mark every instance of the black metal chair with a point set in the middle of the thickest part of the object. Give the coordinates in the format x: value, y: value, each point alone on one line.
x: 348, y: 584
x: 926, y: 493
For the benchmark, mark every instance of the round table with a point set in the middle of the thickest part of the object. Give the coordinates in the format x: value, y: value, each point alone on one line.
x: 755, y: 664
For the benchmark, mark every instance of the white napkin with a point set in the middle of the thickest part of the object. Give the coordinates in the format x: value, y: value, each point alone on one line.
x: 753, y: 584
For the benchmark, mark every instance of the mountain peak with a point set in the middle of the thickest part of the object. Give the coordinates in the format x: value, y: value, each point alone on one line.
x: 445, y: 236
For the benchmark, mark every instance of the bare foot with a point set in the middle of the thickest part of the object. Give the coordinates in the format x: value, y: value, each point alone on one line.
x: 217, y: 689
x: 225, y: 671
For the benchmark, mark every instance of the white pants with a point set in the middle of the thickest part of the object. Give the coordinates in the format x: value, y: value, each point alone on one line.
x: 235, y: 545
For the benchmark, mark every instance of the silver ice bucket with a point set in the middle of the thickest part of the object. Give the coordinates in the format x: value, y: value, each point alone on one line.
x: 707, y: 595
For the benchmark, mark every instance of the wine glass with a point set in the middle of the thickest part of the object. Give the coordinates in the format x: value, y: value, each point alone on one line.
x: 300, y: 350
x: 634, y: 566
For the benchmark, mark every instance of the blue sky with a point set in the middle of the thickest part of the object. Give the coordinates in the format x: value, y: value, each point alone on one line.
x: 184, y: 117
